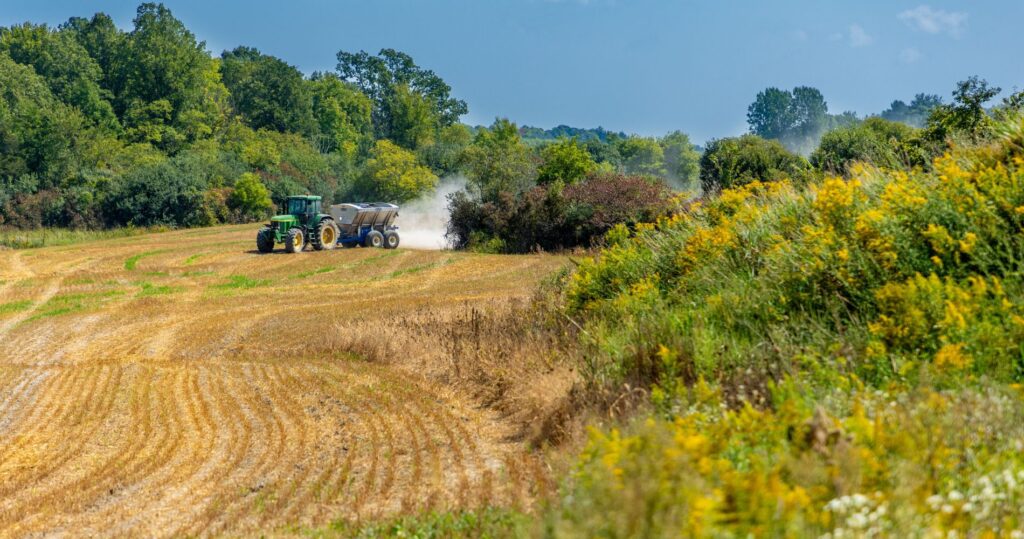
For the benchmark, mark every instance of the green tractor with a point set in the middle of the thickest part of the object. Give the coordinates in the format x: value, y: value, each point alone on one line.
x: 302, y: 224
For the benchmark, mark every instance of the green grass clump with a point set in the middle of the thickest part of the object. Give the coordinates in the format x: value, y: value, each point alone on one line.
x: 310, y: 273
x: 46, y: 237
x: 150, y: 289
x: 73, y: 303
x: 241, y: 282
x: 192, y: 259
x: 15, y: 306
x: 132, y: 261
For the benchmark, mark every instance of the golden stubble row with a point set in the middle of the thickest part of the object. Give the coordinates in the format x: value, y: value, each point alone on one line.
x: 225, y: 392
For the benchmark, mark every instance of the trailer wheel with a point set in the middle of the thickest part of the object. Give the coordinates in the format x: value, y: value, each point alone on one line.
x: 374, y: 239
x: 265, y: 240
x: 325, y: 236
x: 391, y: 239
x: 295, y: 241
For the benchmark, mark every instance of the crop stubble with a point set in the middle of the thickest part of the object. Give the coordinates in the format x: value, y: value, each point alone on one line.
x: 174, y: 397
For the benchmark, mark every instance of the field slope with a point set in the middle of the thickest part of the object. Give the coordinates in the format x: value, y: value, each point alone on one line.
x: 180, y: 384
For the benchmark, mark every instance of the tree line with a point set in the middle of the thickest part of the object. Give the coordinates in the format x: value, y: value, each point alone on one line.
x: 101, y: 127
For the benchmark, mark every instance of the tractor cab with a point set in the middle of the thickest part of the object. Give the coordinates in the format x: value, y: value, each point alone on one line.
x: 303, y: 208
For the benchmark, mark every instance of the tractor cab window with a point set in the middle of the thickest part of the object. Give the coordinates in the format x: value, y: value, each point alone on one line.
x: 296, y: 206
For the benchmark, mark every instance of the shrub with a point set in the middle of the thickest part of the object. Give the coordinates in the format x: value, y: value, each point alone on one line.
x: 876, y: 141
x: 250, y: 198
x: 733, y: 162
x: 552, y: 217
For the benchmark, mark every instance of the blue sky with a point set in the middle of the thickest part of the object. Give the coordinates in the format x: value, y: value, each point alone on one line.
x: 640, y: 66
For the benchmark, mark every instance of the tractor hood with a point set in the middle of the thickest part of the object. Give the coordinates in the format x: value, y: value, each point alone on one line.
x: 282, y: 218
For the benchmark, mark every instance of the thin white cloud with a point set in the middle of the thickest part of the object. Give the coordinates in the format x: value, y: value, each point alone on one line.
x: 935, y: 21
x: 859, y: 37
x: 910, y: 55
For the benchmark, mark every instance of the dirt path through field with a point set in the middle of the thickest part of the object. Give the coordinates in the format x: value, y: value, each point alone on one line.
x: 180, y: 384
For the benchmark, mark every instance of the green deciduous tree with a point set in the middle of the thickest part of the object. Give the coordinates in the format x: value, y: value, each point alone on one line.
x: 73, y: 76
x: 771, y: 114
x: 380, y: 76
x: 163, y: 62
x: 498, y: 162
x: 39, y: 136
x: 916, y: 113
x: 682, y: 160
x: 445, y: 155
x: 267, y: 92
x: 342, y: 114
x: 641, y: 155
x: 565, y: 161
x: 411, y: 120
x: 393, y: 174
x: 966, y: 115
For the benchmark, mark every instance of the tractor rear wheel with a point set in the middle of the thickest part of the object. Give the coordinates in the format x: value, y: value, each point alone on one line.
x: 295, y: 241
x: 325, y: 236
x: 391, y: 239
x: 374, y: 239
x: 265, y: 240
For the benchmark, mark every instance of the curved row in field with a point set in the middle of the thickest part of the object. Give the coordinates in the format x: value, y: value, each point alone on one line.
x: 176, y: 384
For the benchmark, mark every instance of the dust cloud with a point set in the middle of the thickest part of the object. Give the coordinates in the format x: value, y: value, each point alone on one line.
x: 423, y: 222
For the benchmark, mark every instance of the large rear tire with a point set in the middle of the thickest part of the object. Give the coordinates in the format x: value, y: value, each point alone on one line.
x: 325, y: 236
x: 374, y: 239
x: 391, y: 239
x: 265, y: 240
x: 295, y: 241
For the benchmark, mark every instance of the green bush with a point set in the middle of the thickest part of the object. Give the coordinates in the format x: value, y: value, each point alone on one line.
x: 733, y: 162
x: 876, y: 141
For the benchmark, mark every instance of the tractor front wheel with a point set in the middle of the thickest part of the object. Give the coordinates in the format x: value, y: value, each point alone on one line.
x: 325, y: 236
x: 295, y: 241
x: 374, y: 239
x: 265, y: 240
x: 391, y: 239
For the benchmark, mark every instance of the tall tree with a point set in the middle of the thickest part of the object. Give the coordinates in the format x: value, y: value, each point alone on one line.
x: 342, y: 114
x: 162, y: 73
x: 771, y: 114
x: 380, y: 76
x: 966, y: 114
x: 498, y: 162
x: 268, y: 92
x: 71, y: 73
x: 916, y: 113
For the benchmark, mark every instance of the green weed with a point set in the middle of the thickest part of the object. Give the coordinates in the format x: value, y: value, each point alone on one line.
x: 15, y: 306
x: 241, y: 282
x: 132, y: 261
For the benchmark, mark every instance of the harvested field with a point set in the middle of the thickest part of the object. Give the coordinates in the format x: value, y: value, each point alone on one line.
x: 180, y: 384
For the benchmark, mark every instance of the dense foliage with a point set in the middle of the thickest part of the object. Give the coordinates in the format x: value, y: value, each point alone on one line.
x: 861, y: 340
x: 732, y: 162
